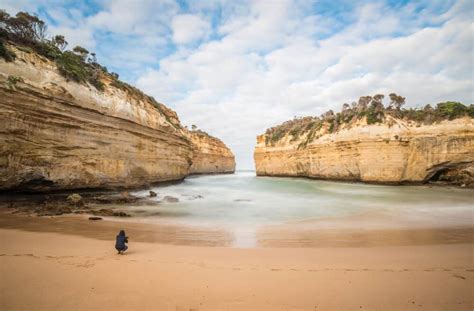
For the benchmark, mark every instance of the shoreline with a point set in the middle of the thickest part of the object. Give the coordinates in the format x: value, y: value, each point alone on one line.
x: 117, y: 189
x: 298, y: 235
x: 358, y: 181
x: 105, y: 189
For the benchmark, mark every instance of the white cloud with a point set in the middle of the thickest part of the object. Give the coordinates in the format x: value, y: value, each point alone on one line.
x: 188, y: 28
x: 268, y: 67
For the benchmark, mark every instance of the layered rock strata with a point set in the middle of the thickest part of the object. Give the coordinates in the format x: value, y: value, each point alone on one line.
x: 57, y: 134
x: 395, y: 151
x: 210, y: 155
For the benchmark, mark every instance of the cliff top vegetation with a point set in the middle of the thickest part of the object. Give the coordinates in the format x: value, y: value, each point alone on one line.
x: 200, y: 133
x: 369, y: 109
x: 28, y: 34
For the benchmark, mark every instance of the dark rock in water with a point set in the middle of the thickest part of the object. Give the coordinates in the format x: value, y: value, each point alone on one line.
x: 109, y: 212
x: 153, y: 194
x: 103, y: 212
x: 124, y: 197
x: 75, y: 200
x: 95, y: 218
x: 195, y: 197
x: 243, y: 200
x: 170, y: 199
x: 121, y: 214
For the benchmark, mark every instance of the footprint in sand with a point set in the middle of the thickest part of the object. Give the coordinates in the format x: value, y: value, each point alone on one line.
x: 25, y: 255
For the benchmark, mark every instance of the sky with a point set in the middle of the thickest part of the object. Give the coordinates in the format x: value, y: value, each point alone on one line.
x: 235, y: 68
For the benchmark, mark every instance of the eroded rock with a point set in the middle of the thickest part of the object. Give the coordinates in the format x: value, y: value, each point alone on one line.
x: 109, y: 212
x: 75, y: 200
x: 170, y: 199
x: 371, y: 153
x: 91, y: 137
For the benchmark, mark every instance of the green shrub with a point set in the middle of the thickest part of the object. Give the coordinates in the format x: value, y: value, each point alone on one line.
x: 416, y: 115
x: 47, y: 50
x: 370, y: 108
x: 72, y: 67
x: 372, y: 116
x: 331, y: 127
x: 277, y: 135
x: 470, y: 111
x: 97, y: 83
x: 13, y: 80
x: 451, y: 110
x: 5, y: 53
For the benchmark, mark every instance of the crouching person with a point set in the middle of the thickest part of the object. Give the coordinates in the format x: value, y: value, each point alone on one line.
x: 120, y: 242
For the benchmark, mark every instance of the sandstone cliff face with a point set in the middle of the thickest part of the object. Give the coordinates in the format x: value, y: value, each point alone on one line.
x: 210, y: 155
x: 58, y: 134
x: 390, y: 152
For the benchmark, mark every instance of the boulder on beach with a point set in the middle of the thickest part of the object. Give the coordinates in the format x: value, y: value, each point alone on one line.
x: 153, y: 194
x: 95, y: 218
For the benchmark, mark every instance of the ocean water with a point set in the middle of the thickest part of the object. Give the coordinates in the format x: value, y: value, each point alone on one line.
x: 243, y: 203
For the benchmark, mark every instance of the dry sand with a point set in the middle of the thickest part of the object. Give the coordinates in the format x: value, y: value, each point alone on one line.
x: 54, y: 271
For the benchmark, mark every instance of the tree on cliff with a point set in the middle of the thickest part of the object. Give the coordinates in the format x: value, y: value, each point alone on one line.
x: 328, y: 115
x: 81, y: 52
x: 26, y: 30
x: 23, y: 27
x: 396, y: 101
x: 363, y: 103
x: 369, y: 108
x: 59, y: 41
x: 92, y: 59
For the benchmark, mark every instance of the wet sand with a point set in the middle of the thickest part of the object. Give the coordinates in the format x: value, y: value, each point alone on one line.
x: 306, y: 234
x: 68, y: 263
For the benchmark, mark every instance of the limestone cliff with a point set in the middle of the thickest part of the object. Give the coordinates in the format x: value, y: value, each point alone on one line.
x: 392, y: 151
x: 210, y: 154
x: 59, y: 134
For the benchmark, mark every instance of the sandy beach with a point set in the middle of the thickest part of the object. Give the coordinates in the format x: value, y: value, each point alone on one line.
x: 43, y: 269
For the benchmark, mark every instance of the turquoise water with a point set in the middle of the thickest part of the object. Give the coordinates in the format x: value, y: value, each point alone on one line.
x: 243, y: 200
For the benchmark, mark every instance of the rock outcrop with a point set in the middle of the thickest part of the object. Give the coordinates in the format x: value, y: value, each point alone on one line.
x: 393, y: 151
x: 57, y: 134
x: 210, y: 155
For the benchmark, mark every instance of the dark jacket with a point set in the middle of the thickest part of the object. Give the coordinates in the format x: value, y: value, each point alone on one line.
x: 121, y: 240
